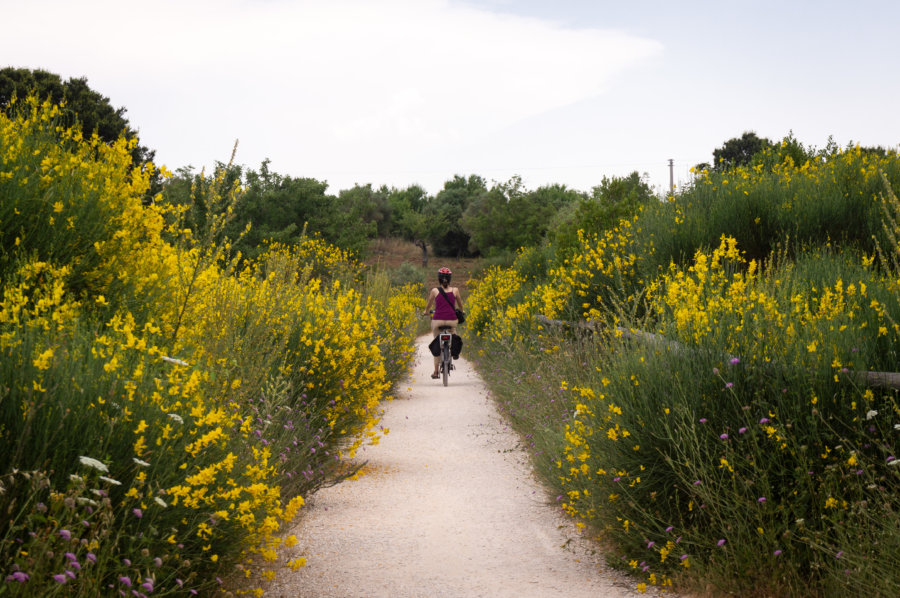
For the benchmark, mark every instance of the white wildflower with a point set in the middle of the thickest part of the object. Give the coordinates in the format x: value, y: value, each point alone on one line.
x: 176, y: 417
x: 81, y: 500
x: 110, y: 481
x: 91, y: 462
x: 174, y: 360
x: 76, y: 478
x: 160, y: 501
x: 871, y: 414
x: 139, y: 462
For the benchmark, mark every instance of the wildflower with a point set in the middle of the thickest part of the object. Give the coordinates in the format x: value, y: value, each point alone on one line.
x: 764, y: 420
x: 697, y: 482
x: 702, y: 420
x: 110, y: 481
x: 682, y: 557
x: 76, y: 478
x: 716, y: 371
x: 761, y: 499
x: 71, y: 556
x: 734, y: 361
x: 729, y: 384
x: 723, y: 436
x: 839, y: 554
x: 90, y: 462
x: 173, y: 360
x: 148, y: 585
x: 160, y: 501
x: 60, y: 578
x: 670, y: 528
x: 137, y: 513
x: 777, y: 552
x: 91, y: 557
x: 721, y: 542
x: 139, y: 462
x: 176, y: 417
x: 125, y: 580
x: 65, y: 534
x: 19, y: 576
x: 742, y: 431
x: 650, y: 544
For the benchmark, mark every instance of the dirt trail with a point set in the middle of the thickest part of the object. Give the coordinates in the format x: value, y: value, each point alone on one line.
x: 448, y: 508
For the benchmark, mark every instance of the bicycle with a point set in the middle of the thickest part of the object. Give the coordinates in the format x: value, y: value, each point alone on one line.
x: 446, y: 339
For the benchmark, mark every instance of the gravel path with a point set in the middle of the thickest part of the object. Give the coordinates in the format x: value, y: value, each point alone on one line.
x: 448, y: 508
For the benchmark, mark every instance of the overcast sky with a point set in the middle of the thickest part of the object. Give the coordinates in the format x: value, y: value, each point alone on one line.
x: 399, y: 92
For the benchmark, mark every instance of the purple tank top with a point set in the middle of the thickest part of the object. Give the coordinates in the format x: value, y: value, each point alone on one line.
x: 443, y: 310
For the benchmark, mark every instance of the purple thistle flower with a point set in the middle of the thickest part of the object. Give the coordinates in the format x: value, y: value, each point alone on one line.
x: 697, y: 482
x: 71, y: 556
x: 157, y: 561
x: 617, y: 479
x: 777, y: 552
x: 148, y: 585
x: 764, y: 420
x: 721, y: 542
x: 85, y: 523
x: 670, y: 528
x: 65, y: 534
x: 734, y: 361
x: 19, y: 576
x: 60, y: 578
x: 839, y: 554
x: 729, y: 384
x: 70, y: 574
x: 723, y: 436
x: 702, y: 420
x: 137, y: 513
x: 682, y: 557
x: 127, y: 562
x: 179, y: 582
x: 92, y: 557
x: 761, y: 499
x: 742, y: 431
x: 125, y: 580
x: 193, y: 592
x: 650, y: 544
x: 716, y: 371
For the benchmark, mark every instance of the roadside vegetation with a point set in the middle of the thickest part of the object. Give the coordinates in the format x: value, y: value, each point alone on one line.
x: 705, y: 391
x: 166, y: 405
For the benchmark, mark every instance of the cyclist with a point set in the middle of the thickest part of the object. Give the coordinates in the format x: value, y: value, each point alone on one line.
x: 444, y: 310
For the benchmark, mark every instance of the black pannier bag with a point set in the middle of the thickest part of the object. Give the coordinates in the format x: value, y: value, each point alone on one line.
x: 455, y: 346
x: 435, y: 346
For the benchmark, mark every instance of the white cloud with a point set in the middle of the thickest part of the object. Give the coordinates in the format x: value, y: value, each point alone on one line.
x: 347, y: 86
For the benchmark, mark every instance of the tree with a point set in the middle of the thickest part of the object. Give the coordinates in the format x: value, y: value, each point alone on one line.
x: 444, y: 215
x: 614, y: 199
x: 82, y: 104
x: 739, y: 151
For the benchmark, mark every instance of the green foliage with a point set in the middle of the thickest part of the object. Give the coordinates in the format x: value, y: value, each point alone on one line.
x: 509, y: 217
x: 614, y: 199
x: 83, y: 105
x: 739, y: 151
x: 444, y: 215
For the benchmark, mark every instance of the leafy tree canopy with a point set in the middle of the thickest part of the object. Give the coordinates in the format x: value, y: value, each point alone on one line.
x: 739, y: 151
x: 82, y: 104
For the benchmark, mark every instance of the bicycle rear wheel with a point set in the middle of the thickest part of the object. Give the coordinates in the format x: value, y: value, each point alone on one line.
x: 445, y: 364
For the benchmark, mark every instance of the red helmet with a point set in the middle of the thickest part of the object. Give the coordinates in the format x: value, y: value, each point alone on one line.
x: 444, y: 274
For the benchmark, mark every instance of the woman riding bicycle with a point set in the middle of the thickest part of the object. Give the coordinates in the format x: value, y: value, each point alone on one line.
x: 444, y: 309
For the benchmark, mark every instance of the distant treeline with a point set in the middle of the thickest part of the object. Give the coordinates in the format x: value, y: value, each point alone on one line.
x: 467, y: 217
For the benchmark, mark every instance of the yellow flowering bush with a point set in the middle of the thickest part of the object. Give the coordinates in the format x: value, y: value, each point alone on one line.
x: 726, y: 424
x: 164, y: 410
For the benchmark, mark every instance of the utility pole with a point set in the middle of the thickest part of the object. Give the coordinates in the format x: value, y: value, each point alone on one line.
x: 671, y: 176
